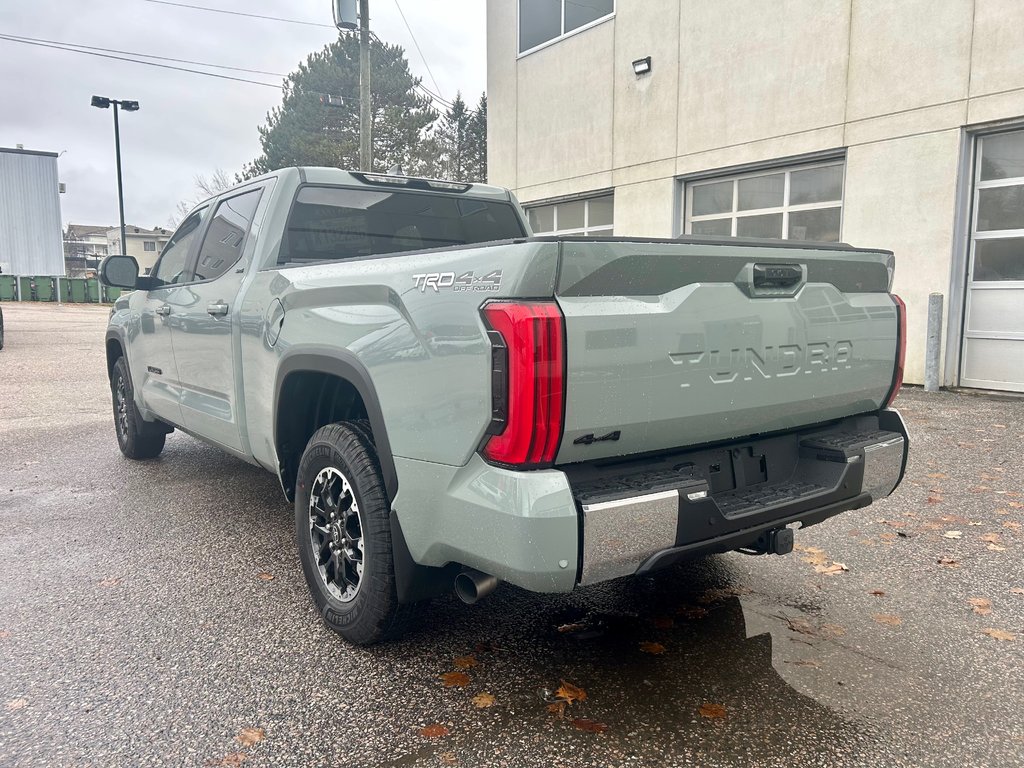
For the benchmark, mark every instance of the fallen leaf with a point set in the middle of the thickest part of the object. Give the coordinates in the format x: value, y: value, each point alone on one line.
x: 1017, y: 590
x: 231, y: 759
x: 15, y: 704
x: 982, y: 606
x: 953, y: 535
x: 590, y: 726
x: 998, y: 426
x: 110, y: 581
x: 937, y: 476
x: 483, y: 700
x: 991, y: 538
x: 833, y: 630
x: 570, y: 693
x: 662, y: 622
x: 934, y: 499
x: 434, y: 731
x: 949, y: 562
x: 712, y: 711
x: 455, y: 679
x: 887, y: 537
x: 655, y: 649
x: 557, y: 708
x: 448, y: 758
x: 999, y: 634
x: 570, y: 628
x: 806, y: 663
x: 249, y: 736
x: 464, y: 662
x: 1013, y: 525
x: 801, y: 625
x: 877, y: 593
x: 816, y: 558
x: 888, y: 619
x: 980, y: 489
x: 1015, y: 504
x: 264, y: 576
x: 830, y: 570
x: 995, y: 548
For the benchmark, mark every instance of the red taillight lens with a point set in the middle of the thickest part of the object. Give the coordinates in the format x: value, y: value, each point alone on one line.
x: 528, y: 408
x: 901, y: 349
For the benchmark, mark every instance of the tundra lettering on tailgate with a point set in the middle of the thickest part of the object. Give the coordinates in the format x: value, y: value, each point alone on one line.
x: 743, y: 364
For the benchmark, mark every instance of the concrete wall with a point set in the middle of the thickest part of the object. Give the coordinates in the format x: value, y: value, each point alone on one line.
x: 897, y: 86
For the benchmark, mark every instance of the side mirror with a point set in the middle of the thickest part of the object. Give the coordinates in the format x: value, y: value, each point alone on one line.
x: 119, y: 272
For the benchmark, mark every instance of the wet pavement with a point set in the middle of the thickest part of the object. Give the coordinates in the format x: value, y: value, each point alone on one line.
x: 151, y: 612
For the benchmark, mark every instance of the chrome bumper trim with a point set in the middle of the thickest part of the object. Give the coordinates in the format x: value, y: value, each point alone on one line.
x: 620, y: 535
x: 883, y: 463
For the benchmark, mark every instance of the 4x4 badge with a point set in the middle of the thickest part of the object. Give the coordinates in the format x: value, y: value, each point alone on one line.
x: 466, y: 282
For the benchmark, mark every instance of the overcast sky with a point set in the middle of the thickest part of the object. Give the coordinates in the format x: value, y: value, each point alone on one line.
x: 188, y: 124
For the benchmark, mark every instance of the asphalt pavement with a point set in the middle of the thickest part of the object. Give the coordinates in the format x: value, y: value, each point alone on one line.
x: 154, y: 614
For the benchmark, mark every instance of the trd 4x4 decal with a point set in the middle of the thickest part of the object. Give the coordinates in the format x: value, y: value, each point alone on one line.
x: 467, y: 281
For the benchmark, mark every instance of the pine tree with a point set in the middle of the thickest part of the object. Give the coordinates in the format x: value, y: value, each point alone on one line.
x: 452, y: 138
x: 478, y: 141
x: 305, y: 130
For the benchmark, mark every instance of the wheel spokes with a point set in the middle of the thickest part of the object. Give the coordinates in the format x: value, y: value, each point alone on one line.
x: 336, y: 533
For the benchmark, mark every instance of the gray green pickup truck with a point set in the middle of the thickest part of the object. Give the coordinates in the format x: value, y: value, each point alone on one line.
x: 451, y: 402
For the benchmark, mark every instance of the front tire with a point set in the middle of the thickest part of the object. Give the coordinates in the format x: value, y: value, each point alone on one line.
x: 343, y: 530
x: 138, y: 439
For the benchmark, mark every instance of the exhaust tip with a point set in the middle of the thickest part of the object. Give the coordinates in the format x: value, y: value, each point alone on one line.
x: 471, y: 585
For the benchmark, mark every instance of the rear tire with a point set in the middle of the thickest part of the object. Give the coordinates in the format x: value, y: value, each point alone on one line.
x: 138, y: 439
x: 343, y: 531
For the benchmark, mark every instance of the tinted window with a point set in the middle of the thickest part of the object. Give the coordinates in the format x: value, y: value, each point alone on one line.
x: 539, y: 21
x: 171, y: 267
x: 222, y: 246
x: 581, y: 12
x: 331, y: 223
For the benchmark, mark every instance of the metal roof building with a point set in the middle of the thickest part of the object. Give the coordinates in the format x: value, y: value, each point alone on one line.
x: 30, y: 223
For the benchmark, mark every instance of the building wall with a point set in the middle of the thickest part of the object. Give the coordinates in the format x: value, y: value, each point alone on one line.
x: 31, y: 241
x: 896, y: 86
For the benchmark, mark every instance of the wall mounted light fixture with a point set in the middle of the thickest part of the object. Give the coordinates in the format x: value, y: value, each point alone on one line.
x: 642, y: 66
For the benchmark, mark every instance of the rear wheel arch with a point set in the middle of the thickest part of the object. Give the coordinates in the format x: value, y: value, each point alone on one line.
x: 319, y: 387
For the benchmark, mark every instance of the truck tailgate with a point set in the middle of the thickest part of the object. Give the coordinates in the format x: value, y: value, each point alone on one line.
x: 673, y: 344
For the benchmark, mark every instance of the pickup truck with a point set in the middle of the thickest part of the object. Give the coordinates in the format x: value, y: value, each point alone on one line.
x: 450, y: 402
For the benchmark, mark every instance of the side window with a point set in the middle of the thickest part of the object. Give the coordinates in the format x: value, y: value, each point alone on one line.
x: 222, y: 246
x: 171, y: 267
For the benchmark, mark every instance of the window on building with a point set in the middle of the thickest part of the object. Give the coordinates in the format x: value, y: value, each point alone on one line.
x: 541, y: 21
x: 222, y: 245
x: 799, y: 203
x: 593, y: 217
x: 149, y: 245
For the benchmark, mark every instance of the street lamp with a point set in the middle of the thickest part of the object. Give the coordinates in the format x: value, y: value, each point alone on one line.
x: 102, y: 102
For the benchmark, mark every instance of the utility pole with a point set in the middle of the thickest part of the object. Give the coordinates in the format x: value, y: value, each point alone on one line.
x: 365, y: 115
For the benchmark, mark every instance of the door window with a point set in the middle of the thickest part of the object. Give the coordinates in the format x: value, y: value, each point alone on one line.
x: 171, y: 267
x: 225, y: 237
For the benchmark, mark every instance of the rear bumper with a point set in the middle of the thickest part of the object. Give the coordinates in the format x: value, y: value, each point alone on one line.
x: 551, y: 530
x: 844, y: 467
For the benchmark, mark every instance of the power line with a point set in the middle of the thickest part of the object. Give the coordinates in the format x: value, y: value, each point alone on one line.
x: 11, y: 39
x: 20, y: 38
x: 239, y: 13
x: 417, y: 44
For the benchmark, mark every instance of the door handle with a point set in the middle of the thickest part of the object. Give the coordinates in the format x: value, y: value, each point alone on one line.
x: 217, y: 309
x: 164, y: 309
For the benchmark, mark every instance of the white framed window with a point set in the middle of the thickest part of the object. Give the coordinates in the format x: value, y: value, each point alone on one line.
x: 800, y: 202
x: 149, y: 245
x: 592, y: 217
x: 542, y: 22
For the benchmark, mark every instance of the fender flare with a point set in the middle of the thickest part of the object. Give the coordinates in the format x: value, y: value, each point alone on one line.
x: 344, y: 365
x: 116, y: 334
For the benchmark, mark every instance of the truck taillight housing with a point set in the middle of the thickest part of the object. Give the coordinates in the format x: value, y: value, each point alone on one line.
x: 527, y: 382
x: 901, y: 349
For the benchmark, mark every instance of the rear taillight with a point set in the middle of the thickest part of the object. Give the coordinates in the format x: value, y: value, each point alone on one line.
x: 527, y: 382
x: 901, y: 349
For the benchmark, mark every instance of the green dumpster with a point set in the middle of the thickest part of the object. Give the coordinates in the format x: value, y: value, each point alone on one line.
x: 92, y: 290
x: 27, y: 292
x: 76, y: 290
x: 8, y: 288
x: 45, y: 289
x: 65, y: 288
x: 110, y: 294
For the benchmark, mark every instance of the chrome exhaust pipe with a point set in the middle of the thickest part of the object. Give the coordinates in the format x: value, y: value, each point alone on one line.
x: 472, y: 585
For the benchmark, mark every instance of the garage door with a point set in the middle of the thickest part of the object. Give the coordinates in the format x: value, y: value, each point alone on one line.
x: 993, y: 348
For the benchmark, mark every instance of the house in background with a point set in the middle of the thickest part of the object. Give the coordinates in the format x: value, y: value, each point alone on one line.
x: 890, y: 125
x: 144, y: 244
x: 84, y: 247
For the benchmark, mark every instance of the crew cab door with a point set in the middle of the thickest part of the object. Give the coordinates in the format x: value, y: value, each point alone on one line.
x: 150, y: 352
x: 205, y: 324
